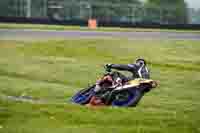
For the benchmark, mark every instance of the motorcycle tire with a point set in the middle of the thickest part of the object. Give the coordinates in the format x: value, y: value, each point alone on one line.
x: 127, y: 98
x: 83, y: 96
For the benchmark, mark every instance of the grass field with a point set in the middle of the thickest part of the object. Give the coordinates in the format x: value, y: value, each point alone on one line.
x: 105, y: 29
x: 49, y: 73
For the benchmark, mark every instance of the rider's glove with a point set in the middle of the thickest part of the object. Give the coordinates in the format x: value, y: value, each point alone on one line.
x: 108, y: 66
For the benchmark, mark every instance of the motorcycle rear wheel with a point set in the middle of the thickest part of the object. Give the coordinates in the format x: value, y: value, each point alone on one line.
x: 127, y: 98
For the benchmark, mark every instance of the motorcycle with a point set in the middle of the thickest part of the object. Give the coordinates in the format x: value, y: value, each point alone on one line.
x: 114, y: 91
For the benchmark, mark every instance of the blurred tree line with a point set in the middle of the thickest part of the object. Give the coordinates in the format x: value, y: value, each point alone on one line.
x: 169, y: 11
x: 151, y: 11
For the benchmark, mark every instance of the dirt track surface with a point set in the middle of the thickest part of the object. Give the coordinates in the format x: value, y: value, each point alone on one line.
x: 51, y: 34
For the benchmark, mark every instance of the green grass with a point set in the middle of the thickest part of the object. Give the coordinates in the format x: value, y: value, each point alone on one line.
x: 106, y: 29
x: 53, y: 71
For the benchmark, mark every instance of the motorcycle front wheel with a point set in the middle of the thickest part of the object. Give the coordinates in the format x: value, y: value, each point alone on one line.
x: 127, y: 98
x: 83, y: 96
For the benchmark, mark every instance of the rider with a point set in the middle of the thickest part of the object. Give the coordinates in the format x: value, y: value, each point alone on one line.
x: 138, y: 69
